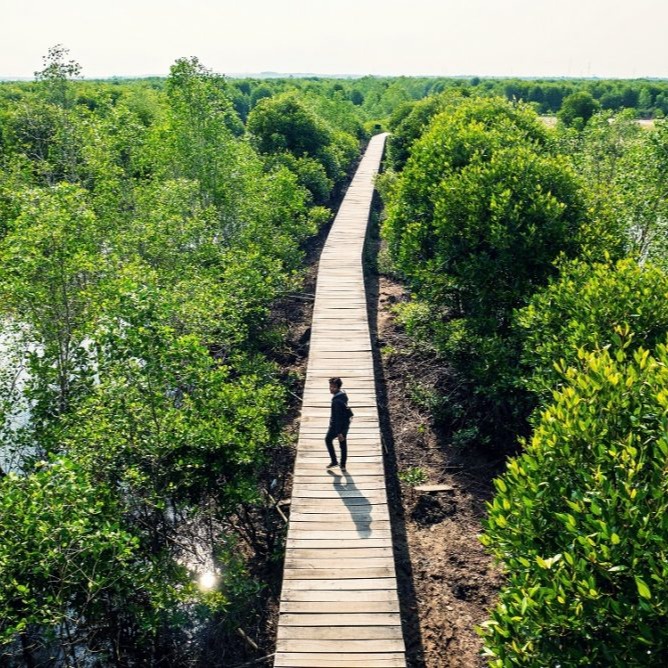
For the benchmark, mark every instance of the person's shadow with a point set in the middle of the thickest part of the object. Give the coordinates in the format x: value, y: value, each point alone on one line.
x: 356, y: 503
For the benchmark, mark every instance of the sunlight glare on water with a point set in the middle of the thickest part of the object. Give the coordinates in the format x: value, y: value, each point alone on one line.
x: 208, y: 580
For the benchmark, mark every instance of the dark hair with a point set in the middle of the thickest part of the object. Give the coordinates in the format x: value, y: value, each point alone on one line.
x: 336, y: 381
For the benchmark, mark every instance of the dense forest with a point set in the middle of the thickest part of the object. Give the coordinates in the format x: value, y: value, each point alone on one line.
x: 146, y: 233
x: 148, y: 228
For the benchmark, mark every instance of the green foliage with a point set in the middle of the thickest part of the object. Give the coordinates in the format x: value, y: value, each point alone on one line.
x: 166, y: 421
x: 319, y: 154
x: 641, y: 182
x: 647, y: 96
x: 143, y: 242
x: 498, y: 225
x: 61, y: 547
x: 579, y: 521
x: 407, y: 125
x: 50, y: 263
x: 198, y: 140
x: 618, y: 306
x: 67, y: 557
x: 56, y: 76
x: 624, y: 168
x: 475, y: 222
x: 413, y: 476
x: 467, y: 133
x: 72, y: 569
x: 577, y: 109
x: 283, y: 123
x: 310, y: 173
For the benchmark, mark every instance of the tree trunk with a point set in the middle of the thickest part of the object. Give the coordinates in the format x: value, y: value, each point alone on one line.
x: 27, y: 654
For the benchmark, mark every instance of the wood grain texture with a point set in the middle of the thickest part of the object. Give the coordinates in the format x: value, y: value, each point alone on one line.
x: 339, y: 604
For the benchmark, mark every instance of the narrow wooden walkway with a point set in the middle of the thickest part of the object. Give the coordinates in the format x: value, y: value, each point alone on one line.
x: 339, y: 604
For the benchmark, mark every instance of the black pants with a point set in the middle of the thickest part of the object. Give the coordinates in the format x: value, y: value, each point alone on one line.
x: 329, y: 442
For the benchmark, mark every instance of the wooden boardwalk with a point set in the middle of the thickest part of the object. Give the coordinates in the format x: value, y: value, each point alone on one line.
x: 339, y: 604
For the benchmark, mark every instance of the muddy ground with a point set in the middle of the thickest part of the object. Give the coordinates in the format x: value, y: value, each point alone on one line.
x: 447, y: 581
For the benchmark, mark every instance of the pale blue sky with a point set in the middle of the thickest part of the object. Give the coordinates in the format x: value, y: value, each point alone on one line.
x: 607, y: 38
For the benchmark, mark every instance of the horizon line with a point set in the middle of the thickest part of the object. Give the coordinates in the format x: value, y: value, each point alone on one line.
x: 268, y: 74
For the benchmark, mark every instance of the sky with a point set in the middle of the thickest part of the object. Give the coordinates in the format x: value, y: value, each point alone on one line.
x: 591, y: 38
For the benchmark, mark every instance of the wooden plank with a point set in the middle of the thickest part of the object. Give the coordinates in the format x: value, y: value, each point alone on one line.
x: 340, y: 632
x: 358, y: 446
x: 355, y: 437
x: 334, y: 646
x: 377, y: 512
x: 321, y: 423
x: 323, y: 460
x: 360, y: 522
x: 349, y: 553
x: 357, y: 619
x: 366, y: 517
x: 434, y: 488
x: 322, y: 411
x: 339, y: 595
x: 369, y: 469
x: 337, y: 481
x: 339, y: 606
x: 333, y: 573
x: 337, y: 506
x: 356, y: 449
x: 352, y: 494
x: 361, y: 527
x: 339, y: 542
x: 334, y: 513
x: 349, y: 660
x: 313, y: 467
x: 338, y: 355
x: 328, y: 562
x: 341, y: 584
x: 340, y: 517
x: 330, y: 483
x: 311, y: 533
x: 356, y: 434
x: 373, y: 494
x: 369, y: 514
x: 315, y: 458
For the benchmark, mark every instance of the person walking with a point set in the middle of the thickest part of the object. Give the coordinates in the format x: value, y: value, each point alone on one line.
x: 339, y: 423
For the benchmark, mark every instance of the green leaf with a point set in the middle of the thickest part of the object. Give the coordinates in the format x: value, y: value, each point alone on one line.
x: 643, y: 588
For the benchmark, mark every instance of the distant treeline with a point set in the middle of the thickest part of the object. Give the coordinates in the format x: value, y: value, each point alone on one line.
x: 378, y: 97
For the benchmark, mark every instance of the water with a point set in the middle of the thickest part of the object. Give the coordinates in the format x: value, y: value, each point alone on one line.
x: 14, y: 407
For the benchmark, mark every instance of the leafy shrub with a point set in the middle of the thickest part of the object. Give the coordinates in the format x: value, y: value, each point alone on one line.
x: 579, y: 521
x: 283, y: 123
x: 590, y: 307
x: 475, y: 222
x: 413, y: 476
x: 407, y: 125
x: 498, y: 226
x: 284, y: 126
x: 470, y: 133
x: 64, y: 547
x: 625, y: 168
x: 577, y: 108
